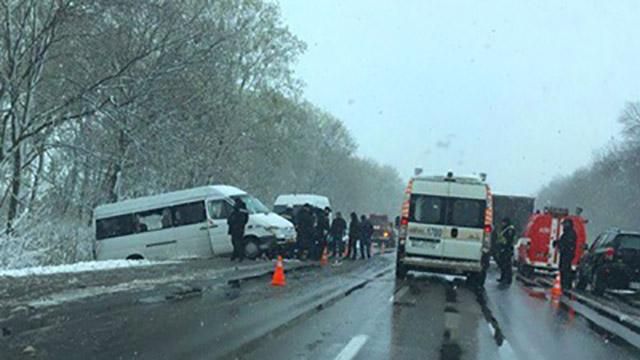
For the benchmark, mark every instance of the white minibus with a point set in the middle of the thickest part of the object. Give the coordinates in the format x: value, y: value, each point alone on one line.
x: 184, y: 224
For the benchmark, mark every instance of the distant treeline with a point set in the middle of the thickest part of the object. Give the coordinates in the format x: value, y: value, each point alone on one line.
x: 105, y: 100
x: 608, y: 189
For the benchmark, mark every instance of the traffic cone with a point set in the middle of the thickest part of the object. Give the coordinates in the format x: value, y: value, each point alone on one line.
x: 278, y: 274
x: 324, y: 260
x: 382, y: 248
x: 556, y: 290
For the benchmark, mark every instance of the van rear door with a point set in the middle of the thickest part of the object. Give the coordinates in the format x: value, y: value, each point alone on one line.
x: 462, y: 238
x: 426, y: 224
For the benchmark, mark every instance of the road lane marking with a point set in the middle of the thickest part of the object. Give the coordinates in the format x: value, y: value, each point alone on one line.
x: 505, y: 351
x: 402, y: 292
x: 353, y: 347
x: 492, y: 330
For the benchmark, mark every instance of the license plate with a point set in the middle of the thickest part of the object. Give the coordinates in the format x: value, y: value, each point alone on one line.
x: 635, y: 285
x: 424, y: 244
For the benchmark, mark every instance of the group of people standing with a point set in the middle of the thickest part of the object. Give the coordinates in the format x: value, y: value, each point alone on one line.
x: 359, y: 232
x: 315, y: 233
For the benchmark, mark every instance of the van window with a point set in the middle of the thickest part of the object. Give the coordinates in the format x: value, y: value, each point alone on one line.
x: 219, y: 209
x: 120, y: 225
x: 467, y: 213
x: 427, y: 209
x: 188, y: 214
x: 151, y: 220
x: 254, y: 206
x: 156, y: 219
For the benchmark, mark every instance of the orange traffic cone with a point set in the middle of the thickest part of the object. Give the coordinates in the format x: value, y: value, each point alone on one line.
x: 556, y: 290
x: 324, y: 260
x: 278, y: 274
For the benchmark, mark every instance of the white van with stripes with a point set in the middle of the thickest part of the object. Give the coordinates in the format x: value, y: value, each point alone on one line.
x: 446, y: 227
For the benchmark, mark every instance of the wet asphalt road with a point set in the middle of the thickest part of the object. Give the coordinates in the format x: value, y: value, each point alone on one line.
x: 428, y: 317
x: 354, y: 311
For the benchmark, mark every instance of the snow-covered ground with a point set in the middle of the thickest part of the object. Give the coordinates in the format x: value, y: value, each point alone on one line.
x: 79, y: 267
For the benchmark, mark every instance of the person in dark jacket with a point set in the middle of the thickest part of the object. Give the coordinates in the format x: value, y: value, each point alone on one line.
x: 320, y: 233
x: 305, y: 228
x: 338, y: 227
x: 354, y: 234
x: 288, y: 214
x: 237, y: 221
x: 366, y: 231
x: 567, y: 247
x: 505, y: 242
x: 323, y: 227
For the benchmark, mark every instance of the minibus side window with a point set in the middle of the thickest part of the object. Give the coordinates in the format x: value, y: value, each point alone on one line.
x: 219, y: 209
x: 155, y: 219
x: 188, y: 214
x: 115, y: 226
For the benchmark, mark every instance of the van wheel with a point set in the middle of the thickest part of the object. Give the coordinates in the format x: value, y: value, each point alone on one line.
x: 135, y: 257
x: 251, y: 248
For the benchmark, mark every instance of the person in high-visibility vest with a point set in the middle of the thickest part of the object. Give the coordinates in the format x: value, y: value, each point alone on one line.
x: 505, y: 243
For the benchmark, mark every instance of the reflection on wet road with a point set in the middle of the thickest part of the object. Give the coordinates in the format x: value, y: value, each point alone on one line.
x: 356, y: 310
x: 430, y: 317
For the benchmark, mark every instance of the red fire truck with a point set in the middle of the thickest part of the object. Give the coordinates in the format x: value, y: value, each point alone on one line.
x: 535, y: 250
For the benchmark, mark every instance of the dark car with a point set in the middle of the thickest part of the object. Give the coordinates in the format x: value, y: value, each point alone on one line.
x: 383, y: 231
x: 612, y: 262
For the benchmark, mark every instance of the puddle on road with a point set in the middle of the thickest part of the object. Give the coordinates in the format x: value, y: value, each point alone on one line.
x: 180, y: 292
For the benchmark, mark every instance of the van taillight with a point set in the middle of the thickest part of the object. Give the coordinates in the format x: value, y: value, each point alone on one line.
x: 609, y: 253
x: 487, y: 229
x: 404, y: 221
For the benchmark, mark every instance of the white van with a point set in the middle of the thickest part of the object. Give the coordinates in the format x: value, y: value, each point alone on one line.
x: 446, y: 227
x: 296, y: 200
x: 184, y: 224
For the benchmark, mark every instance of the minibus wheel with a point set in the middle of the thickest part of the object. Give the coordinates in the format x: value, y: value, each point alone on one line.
x: 251, y: 248
x: 135, y: 257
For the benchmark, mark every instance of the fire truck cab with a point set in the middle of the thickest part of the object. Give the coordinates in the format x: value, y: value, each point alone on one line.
x: 535, y: 250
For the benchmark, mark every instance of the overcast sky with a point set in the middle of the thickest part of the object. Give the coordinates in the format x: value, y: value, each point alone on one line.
x: 522, y: 90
